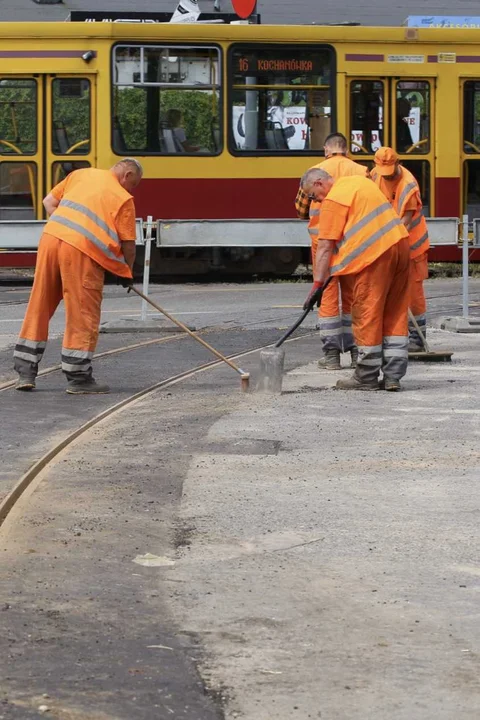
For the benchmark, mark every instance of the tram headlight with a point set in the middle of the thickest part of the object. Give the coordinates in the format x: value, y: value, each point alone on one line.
x: 88, y: 56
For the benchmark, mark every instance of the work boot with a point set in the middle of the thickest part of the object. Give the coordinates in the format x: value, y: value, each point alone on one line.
x: 86, y: 387
x: 414, y: 348
x: 389, y: 384
x: 330, y: 360
x: 354, y: 356
x: 353, y: 383
x: 25, y: 384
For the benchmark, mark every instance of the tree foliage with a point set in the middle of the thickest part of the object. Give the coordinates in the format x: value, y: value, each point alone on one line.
x: 137, y: 115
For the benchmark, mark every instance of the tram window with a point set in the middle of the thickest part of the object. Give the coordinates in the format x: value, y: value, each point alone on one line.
x: 71, y: 116
x: 471, y: 117
x: 281, y: 98
x: 412, y: 117
x: 60, y: 170
x: 471, y: 185
x: 366, y: 116
x: 18, y: 116
x: 421, y: 171
x: 18, y: 183
x: 166, y: 100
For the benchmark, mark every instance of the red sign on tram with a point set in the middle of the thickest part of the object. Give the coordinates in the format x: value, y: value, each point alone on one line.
x: 244, y: 8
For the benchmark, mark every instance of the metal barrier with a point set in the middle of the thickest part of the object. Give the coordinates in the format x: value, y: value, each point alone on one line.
x: 25, y: 234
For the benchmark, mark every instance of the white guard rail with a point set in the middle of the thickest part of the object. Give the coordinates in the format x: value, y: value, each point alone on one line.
x: 25, y: 234
x: 266, y: 233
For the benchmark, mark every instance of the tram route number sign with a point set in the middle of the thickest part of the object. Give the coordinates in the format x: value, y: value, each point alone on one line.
x: 294, y: 64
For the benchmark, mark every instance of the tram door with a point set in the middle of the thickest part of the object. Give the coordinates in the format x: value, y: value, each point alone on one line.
x: 397, y: 112
x: 47, y: 129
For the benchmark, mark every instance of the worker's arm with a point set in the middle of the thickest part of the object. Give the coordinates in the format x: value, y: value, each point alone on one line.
x: 127, y: 232
x: 331, y: 228
x: 407, y: 218
x: 129, y: 252
x: 321, y: 270
x: 52, y: 200
x: 50, y: 203
x: 413, y: 204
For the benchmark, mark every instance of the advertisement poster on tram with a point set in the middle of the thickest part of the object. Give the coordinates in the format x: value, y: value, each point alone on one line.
x: 358, y: 140
x: 292, y: 122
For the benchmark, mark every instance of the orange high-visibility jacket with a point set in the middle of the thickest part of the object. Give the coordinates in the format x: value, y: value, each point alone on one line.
x: 85, y: 217
x: 372, y: 225
x: 337, y: 166
x: 406, y: 188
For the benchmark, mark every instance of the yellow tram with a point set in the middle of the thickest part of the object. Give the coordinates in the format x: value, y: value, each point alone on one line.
x: 225, y: 118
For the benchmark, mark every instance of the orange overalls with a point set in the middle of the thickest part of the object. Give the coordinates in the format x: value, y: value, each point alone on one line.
x: 371, y: 247
x: 81, y: 240
x: 334, y: 313
x: 404, y: 195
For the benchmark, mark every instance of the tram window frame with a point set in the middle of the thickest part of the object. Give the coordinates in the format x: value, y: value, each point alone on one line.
x: 84, y: 149
x: 218, y: 87
x: 423, y: 164
x: 469, y: 147
x: 305, y: 47
x: 414, y: 149
x: 28, y: 164
x: 35, y: 102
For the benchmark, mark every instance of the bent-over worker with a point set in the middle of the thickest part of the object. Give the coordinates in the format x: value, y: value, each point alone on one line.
x: 360, y: 236
x: 334, y: 313
x: 401, y: 189
x: 91, y: 229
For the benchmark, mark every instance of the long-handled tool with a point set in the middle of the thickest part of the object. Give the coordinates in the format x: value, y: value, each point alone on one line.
x: 427, y: 354
x: 272, y: 359
x: 245, y: 377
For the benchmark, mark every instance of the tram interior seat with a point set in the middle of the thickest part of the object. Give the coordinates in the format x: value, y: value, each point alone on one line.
x: 275, y: 136
x: 168, y: 141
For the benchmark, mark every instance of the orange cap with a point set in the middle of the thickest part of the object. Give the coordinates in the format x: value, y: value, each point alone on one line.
x: 385, y: 159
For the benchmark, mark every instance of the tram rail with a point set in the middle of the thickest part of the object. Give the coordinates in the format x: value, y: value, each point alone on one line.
x: 32, y: 477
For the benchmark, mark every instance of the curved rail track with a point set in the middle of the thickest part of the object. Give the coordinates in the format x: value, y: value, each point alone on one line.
x: 27, y: 481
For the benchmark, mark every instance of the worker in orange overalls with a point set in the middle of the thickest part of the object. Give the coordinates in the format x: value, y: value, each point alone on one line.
x: 334, y: 313
x: 361, y: 236
x: 91, y: 229
x: 401, y: 189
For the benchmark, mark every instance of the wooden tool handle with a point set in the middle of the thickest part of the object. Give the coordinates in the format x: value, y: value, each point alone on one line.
x: 187, y: 330
x: 411, y: 317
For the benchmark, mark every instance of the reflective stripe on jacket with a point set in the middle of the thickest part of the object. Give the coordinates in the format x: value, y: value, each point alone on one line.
x: 372, y: 225
x: 408, y: 186
x: 337, y: 166
x: 85, y: 218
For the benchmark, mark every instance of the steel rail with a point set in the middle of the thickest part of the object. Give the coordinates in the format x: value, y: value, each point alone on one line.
x: 25, y: 482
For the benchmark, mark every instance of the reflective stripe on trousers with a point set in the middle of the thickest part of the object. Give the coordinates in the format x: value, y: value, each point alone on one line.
x: 76, y: 362
x: 391, y: 357
x: 336, y: 333
x: 29, y: 350
x: 26, y: 356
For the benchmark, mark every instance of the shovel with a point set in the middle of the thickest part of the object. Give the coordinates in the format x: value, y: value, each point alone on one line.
x: 272, y: 359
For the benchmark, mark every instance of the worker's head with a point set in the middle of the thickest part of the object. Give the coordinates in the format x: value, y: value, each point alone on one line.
x: 335, y: 143
x: 128, y: 172
x: 387, y: 163
x: 316, y: 183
